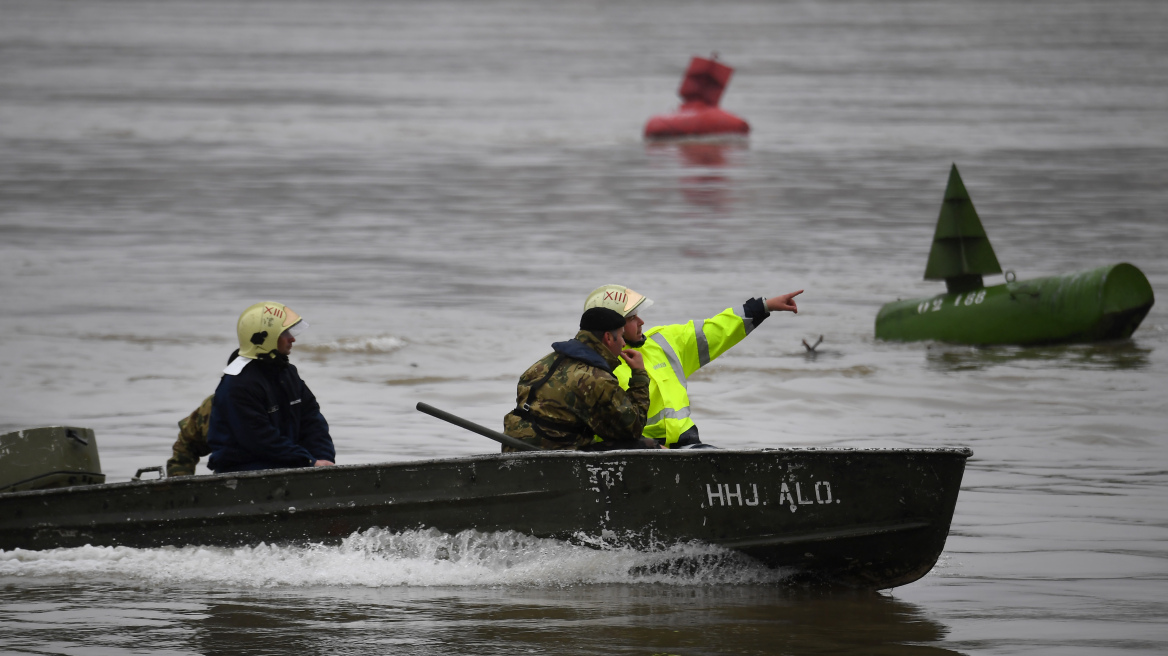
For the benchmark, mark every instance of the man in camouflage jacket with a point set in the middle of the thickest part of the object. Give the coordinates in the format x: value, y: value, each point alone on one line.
x: 571, y: 400
x: 192, y: 441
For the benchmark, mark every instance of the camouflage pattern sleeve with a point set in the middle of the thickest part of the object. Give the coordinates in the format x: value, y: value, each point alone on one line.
x: 192, y: 441
x: 639, y: 391
x: 613, y: 413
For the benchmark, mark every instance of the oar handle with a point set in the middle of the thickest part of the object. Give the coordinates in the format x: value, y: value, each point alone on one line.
x: 475, y: 428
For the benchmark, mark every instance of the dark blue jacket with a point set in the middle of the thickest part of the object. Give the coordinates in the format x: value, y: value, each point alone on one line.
x: 266, y: 418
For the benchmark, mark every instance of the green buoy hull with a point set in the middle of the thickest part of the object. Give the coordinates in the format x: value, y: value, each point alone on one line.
x: 1093, y: 305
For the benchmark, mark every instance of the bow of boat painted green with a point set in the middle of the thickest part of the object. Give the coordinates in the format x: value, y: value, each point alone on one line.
x: 1107, y: 302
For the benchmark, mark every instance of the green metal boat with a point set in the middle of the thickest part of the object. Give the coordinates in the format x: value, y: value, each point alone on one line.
x: 870, y: 518
x: 1104, y: 303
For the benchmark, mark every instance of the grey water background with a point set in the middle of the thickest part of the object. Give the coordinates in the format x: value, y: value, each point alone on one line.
x: 435, y: 186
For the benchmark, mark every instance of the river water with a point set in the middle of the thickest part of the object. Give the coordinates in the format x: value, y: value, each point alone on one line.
x: 435, y: 186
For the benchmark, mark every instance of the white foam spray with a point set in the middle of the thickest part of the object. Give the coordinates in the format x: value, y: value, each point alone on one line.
x: 380, y: 558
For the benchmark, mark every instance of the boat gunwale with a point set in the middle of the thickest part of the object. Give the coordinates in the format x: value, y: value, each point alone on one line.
x: 965, y: 452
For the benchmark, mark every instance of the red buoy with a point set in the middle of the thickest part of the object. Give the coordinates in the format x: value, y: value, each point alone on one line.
x: 699, y: 114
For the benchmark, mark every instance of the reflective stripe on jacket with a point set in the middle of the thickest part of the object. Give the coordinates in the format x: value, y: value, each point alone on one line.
x: 673, y: 353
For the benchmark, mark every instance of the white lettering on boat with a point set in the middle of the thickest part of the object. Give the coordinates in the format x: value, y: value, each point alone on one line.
x: 606, y: 475
x: 799, y: 493
x: 785, y: 493
x: 717, y: 494
x: 726, y: 497
x: 754, y: 501
x: 726, y: 494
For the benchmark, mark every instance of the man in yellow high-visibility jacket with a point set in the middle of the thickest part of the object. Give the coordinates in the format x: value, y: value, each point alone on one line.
x: 673, y: 353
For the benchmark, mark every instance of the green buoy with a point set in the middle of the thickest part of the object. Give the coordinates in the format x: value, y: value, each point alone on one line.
x: 1107, y: 302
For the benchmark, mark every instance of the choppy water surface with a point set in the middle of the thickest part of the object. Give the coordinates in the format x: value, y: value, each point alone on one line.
x: 436, y: 186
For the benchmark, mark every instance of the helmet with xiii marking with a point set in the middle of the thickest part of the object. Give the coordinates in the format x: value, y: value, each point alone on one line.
x: 260, y: 327
x: 617, y: 297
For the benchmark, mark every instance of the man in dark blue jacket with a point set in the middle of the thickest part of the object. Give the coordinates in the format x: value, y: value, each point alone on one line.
x: 263, y: 416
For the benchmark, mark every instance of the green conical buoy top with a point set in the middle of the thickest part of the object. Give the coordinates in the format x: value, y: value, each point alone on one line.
x: 961, y: 249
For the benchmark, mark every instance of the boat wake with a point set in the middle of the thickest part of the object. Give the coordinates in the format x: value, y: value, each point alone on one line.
x: 380, y: 558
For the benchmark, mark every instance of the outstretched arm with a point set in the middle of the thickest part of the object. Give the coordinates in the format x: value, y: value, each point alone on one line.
x: 784, y: 303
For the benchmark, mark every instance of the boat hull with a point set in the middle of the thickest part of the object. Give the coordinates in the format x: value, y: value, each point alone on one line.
x: 862, y: 518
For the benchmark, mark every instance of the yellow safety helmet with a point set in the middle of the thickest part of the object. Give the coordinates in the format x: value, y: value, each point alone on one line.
x: 617, y: 297
x: 261, y: 325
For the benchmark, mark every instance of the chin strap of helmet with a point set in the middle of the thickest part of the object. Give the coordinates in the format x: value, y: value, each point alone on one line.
x: 273, y: 359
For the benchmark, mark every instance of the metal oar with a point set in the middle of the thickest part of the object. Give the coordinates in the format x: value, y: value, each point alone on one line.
x: 473, y: 427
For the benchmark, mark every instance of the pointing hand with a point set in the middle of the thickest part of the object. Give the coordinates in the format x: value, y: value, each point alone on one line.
x: 784, y: 303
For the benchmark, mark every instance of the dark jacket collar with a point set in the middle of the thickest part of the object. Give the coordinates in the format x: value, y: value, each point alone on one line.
x: 586, y: 348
